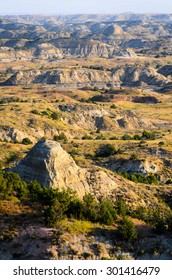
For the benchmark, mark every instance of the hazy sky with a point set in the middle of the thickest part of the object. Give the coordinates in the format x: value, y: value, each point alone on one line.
x: 84, y: 6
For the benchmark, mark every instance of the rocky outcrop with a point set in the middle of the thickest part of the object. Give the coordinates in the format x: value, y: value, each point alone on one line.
x: 52, y: 167
x: 85, y: 116
x: 166, y: 70
x: 135, y: 76
x: 126, y: 53
x: 125, y: 75
x: 22, y: 78
x: 86, y: 36
x: 37, y: 242
x: 117, y: 32
x: 88, y: 48
x: 140, y: 166
x: 68, y: 78
x: 46, y: 50
x: 11, y: 134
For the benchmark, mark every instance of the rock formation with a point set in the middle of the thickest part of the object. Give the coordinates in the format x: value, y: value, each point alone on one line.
x: 145, y: 167
x: 53, y: 167
x: 11, y: 134
x: 125, y: 76
x: 166, y: 70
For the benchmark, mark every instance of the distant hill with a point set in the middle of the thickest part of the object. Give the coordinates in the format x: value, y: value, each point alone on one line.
x: 56, y: 37
x: 81, y: 18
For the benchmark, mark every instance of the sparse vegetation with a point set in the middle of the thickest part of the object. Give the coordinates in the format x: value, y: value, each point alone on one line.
x: 113, y: 106
x: 127, y: 230
x: 54, y: 207
x: 34, y: 111
x: 55, y: 116
x: 106, y: 151
x: 126, y: 137
x: 98, y: 102
x: 60, y: 137
x: 148, y: 135
x: 140, y: 178
x: 134, y: 157
x: 87, y: 137
x: 26, y: 141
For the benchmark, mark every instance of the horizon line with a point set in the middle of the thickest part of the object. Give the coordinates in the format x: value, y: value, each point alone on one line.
x: 72, y: 14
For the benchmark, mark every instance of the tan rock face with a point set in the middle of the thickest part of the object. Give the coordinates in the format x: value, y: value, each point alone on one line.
x: 11, y: 134
x: 142, y: 166
x: 52, y: 167
x: 127, y: 76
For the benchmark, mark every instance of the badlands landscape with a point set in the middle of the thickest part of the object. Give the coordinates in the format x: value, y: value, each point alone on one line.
x: 86, y: 137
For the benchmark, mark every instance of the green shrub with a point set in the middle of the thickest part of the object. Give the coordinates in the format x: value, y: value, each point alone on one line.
x: 60, y: 137
x: 75, y: 209
x: 140, y: 178
x: 12, y: 185
x: 127, y: 230
x: 126, y: 137
x: 106, y: 151
x: 97, y: 67
x: 140, y: 213
x: 87, y: 137
x: 137, y: 137
x: 55, y: 116
x: 113, y: 138
x: 100, y: 137
x: 58, y: 205
x: 34, y: 111
x: 35, y: 190
x: 121, y: 207
x: 90, y: 208
x: 162, y: 143
x: 113, y: 106
x: 169, y: 181
x: 152, y: 179
x: 26, y: 141
x: 44, y: 113
x: 148, y: 135
x: 73, y: 153
x: 51, y: 216
x: 107, y: 212
x: 134, y: 157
